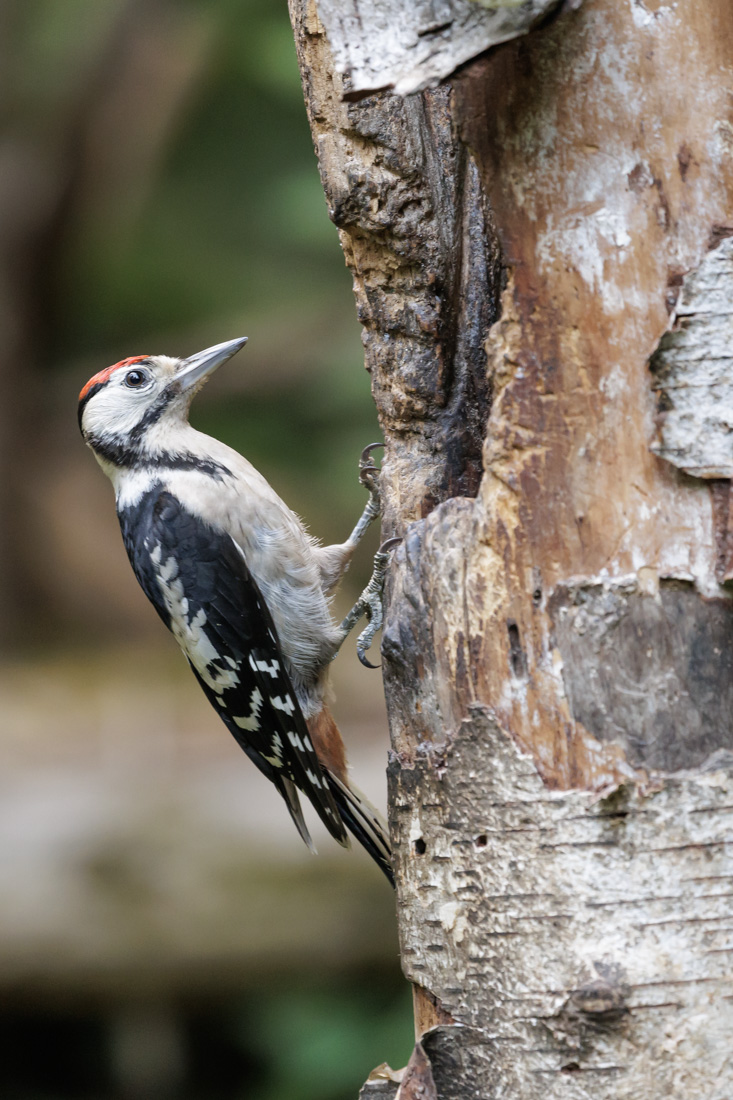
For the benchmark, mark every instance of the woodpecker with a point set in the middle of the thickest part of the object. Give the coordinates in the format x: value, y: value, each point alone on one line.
x: 235, y: 577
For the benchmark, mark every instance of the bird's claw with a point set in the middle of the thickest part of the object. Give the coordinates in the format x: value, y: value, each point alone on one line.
x: 360, y: 652
x: 389, y: 544
x: 366, y: 454
x: 367, y: 470
x: 371, y: 600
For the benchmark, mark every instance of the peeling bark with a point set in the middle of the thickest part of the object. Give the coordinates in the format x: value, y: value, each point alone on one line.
x: 693, y: 371
x: 649, y: 670
x: 408, y: 47
x: 539, y: 261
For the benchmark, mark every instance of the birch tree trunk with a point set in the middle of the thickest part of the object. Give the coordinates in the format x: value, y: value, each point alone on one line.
x: 543, y: 266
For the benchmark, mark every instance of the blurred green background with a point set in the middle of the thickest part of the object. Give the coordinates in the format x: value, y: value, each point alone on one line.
x: 163, y: 932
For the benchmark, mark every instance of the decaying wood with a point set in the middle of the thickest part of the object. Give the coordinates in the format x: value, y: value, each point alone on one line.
x: 406, y: 196
x: 598, y: 213
x: 540, y: 264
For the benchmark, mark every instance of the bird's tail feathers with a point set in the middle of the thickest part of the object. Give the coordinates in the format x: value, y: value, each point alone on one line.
x: 364, y: 822
x: 290, y: 793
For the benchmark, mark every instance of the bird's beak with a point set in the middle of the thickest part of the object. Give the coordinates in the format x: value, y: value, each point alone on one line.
x: 200, y: 366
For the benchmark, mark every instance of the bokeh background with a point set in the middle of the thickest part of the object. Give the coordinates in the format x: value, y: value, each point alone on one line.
x: 163, y: 931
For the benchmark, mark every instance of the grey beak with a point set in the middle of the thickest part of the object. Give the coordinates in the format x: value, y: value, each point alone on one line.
x: 204, y: 363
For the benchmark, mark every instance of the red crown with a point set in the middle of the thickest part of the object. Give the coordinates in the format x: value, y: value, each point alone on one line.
x: 105, y: 374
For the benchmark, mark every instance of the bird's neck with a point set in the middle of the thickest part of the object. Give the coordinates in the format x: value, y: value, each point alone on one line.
x: 167, y: 446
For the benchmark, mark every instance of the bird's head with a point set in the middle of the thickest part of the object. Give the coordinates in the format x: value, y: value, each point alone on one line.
x: 127, y: 406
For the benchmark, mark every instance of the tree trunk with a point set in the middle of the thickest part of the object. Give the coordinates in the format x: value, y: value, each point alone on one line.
x: 542, y: 268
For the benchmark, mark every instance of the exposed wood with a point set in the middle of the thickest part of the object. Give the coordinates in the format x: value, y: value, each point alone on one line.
x: 559, y: 640
x: 427, y: 1010
x: 597, y: 212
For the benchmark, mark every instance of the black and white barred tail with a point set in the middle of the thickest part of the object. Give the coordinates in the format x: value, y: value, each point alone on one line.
x: 364, y: 822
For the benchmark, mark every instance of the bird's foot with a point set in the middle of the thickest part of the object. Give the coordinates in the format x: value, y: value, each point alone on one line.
x: 371, y: 601
x: 369, y: 477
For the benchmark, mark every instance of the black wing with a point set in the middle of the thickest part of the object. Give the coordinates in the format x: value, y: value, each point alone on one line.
x: 198, y: 582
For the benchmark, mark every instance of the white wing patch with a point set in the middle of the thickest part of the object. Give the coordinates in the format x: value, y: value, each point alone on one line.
x: 262, y: 666
x: 286, y: 704
x: 189, y: 632
x: 220, y: 672
x: 251, y: 721
x: 169, y: 572
x: 277, y: 749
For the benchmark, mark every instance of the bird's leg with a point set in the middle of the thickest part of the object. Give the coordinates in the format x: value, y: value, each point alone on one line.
x: 369, y: 604
x: 368, y: 476
x: 335, y: 560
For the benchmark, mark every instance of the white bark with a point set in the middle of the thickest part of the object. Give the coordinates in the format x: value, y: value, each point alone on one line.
x: 582, y: 944
x: 409, y: 46
x: 693, y: 366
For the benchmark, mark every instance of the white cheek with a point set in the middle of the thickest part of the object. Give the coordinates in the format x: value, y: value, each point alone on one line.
x: 115, y: 411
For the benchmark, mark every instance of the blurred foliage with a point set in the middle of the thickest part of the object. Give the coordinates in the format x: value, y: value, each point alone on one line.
x: 230, y: 234
x: 159, y: 193
x: 295, y: 1043
x: 231, y: 222
x: 322, y: 1045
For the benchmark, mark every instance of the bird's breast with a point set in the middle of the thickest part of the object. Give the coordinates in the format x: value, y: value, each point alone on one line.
x: 279, y: 555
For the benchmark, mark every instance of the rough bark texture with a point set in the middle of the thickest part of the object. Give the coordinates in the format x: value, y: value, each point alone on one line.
x: 406, y: 194
x: 541, y: 268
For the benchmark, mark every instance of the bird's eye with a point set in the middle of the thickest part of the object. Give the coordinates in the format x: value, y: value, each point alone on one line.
x: 136, y: 378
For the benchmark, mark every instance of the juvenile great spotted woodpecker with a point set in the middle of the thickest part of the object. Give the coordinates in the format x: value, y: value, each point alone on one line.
x: 233, y: 574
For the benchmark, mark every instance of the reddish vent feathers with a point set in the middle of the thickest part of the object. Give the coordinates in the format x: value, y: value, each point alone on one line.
x: 327, y: 743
